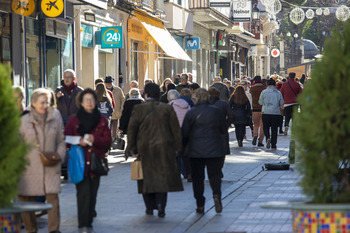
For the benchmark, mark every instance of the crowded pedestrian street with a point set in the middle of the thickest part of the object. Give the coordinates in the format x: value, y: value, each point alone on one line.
x: 245, y: 187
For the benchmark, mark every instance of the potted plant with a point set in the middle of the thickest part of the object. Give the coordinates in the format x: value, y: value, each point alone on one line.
x: 322, y: 133
x: 12, y: 156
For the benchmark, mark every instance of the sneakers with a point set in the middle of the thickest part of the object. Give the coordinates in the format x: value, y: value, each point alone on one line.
x: 285, y: 130
x: 268, y: 143
x: 217, y: 203
x: 260, y: 144
x: 254, y: 140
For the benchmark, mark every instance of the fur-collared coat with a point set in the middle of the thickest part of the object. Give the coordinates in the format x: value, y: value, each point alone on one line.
x: 156, y: 138
x: 38, y: 180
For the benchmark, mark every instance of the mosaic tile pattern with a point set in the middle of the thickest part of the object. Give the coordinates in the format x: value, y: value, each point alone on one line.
x: 10, y: 224
x: 319, y: 222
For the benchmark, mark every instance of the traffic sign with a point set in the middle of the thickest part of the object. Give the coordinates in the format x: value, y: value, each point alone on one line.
x: 192, y: 43
x: 275, y: 53
x: 52, y: 8
x: 23, y: 7
x: 111, y: 37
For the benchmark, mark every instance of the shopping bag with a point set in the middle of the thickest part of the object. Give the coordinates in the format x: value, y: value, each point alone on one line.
x: 98, y: 165
x: 136, y: 170
x: 76, y: 164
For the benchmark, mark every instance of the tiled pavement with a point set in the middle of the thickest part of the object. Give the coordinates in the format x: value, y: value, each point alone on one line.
x: 245, y: 187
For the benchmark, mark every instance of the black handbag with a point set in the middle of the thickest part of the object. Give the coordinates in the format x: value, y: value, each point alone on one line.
x: 120, y: 143
x: 98, y: 165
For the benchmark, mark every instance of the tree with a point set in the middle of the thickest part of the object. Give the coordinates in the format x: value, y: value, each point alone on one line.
x: 13, y: 148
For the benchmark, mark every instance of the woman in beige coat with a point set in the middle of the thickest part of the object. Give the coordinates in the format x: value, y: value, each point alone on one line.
x: 39, y: 180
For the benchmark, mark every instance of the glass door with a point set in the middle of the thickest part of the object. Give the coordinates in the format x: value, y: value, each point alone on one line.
x: 53, y: 72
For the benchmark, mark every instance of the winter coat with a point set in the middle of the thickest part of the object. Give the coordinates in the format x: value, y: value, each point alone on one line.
x: 180, y: 87
x: 228, y: 113
x: 119, y: 99
x: 224, y: 91
x: 127, y: 110
x: 201, y: 131
x: 105, y: 107
x: 181, y: 107
x: 66, y: 104
x: 38, y: 180
x: 154, y: 133
x: 289, y: 96
x: 255, y: 91
x: 102, y: 140
x: 188, y: 100
x: 271, y: 100
x: 241, y: 112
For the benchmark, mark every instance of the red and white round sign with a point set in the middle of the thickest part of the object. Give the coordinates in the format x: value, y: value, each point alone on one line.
x: 275, y: 53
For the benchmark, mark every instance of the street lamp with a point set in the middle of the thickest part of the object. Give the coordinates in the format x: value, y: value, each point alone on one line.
x: 295, y: 51
x: 255, y: 12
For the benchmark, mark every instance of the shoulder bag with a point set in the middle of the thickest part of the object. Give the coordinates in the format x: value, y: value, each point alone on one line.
x: 48, y: 159
x: 98, y: 165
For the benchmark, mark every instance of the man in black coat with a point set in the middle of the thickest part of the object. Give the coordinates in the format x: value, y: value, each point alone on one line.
x: 66, y: 95
x: 224, y: 91
x: 201, y: 131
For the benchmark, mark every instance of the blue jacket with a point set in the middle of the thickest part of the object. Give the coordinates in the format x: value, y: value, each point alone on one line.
x: 271, y: 100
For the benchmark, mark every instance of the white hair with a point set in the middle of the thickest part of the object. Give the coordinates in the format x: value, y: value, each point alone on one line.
x: 72, y: 72
x: 173, y: 95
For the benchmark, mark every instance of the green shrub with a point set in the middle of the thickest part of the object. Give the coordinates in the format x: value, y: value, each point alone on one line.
x: 322, y: 128
x: 12, y: 148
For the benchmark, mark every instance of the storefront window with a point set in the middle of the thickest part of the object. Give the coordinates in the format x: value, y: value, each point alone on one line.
x: 32, y: 55
x: 134, y: 64
x: 53, y: 62
x: 5, y: 37
x: 67, y: 51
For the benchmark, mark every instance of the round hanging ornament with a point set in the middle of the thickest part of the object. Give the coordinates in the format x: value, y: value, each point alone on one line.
x: 310, y: 14
x: 342, y: 13
x: 275, y: 8
x: 297, y: 15
x: 319, y: 11
x: 326, y: 11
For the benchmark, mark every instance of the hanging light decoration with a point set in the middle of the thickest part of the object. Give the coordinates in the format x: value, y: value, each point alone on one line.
x: 275, y: 8
x: 326, y: 11
x: 310, y: 14
x: 268, y: 3
x: 319, y: 11
x: 342, y: 13
x: 297, y: 15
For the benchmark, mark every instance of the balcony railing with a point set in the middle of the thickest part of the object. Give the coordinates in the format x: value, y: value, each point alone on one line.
x: 152, y: 5
x: 199, y: 4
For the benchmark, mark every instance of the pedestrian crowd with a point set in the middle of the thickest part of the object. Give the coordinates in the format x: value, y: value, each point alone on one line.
x: 167, y: 128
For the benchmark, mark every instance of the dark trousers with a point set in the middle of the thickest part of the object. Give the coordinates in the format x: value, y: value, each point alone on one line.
x: 86, y: 200
x: 289, y: 114
x: 240, y: 131
x: 271, y: 121
x: 155, y: 200
x: 214, y: 167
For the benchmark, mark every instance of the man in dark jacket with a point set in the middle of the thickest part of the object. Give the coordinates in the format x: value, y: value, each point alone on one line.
x: 290, y: 90
x: 224, y: 91
x: 66, y: 95
x: 201, y: 131
x: 255, y: 91
x: 183, y: 83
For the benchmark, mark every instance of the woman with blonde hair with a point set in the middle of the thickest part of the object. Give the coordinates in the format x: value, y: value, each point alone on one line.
x: 104, y: 101
x: 42, y: 126
x: 240, y: 105
x: 164, y: 86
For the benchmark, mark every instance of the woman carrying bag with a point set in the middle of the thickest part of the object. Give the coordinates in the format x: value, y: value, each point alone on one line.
x: 42, y: 127
x: 95, y: 137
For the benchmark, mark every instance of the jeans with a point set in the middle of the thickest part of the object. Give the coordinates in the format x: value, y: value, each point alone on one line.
x: 240, y: 131
x: 289, y: 114
x: 86, y: 200
x: 214, y: 167
x: 271, y: 121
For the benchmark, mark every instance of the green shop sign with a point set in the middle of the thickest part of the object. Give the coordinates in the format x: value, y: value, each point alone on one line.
x: 87, y: 36
x: 111, y: 37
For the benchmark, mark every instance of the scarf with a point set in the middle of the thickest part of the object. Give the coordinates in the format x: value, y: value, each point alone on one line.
x: 70, y: 88
x: 88, y: 121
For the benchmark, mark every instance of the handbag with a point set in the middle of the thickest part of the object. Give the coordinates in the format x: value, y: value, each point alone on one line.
x: 120, y: 143
x: 48, y: 159
x: 76, y: 164
x: 98, y: 165
x: 136, y: 170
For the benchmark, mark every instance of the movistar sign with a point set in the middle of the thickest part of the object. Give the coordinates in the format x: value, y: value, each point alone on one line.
x: 192, y: 43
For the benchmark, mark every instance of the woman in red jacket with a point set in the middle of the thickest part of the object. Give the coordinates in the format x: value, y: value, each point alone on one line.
x: 88, y: 123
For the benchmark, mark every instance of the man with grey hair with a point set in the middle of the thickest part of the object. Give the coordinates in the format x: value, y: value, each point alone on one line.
x: 224, y: 91
x: 66, y: 95
x: 133, y: 84
x: 201, y: 134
